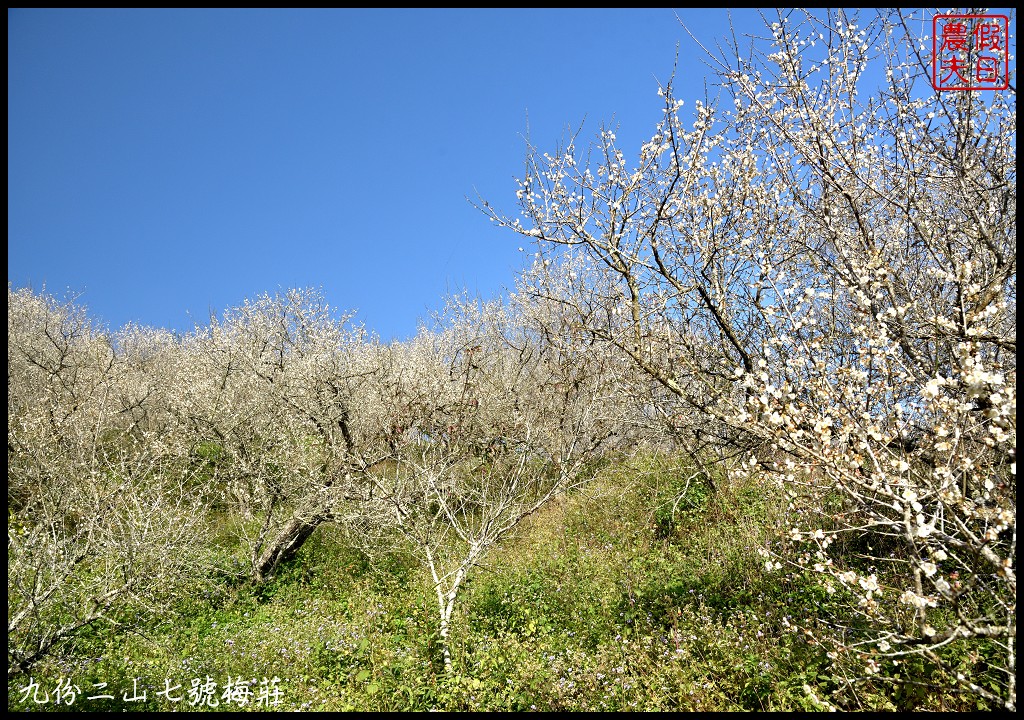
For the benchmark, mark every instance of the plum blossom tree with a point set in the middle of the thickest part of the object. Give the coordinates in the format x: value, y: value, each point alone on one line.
x: 490, y: 421
x: 819, y: 266
x: 277, y: 402
x: 101, y: 514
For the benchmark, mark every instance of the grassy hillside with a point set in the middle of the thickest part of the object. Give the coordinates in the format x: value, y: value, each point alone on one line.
x: 645, y: 592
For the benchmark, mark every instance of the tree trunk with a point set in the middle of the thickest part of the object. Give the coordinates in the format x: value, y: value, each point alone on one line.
x: 287, y: 542
x: 446, y: 600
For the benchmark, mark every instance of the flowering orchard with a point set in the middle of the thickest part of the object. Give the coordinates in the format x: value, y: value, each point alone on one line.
x: 102, y: 515
x: 133, y: 456
x: 817, y: 267
x: 806, y: 284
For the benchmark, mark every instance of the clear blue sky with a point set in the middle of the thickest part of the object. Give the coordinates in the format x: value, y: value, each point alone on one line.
x: 163, y: 163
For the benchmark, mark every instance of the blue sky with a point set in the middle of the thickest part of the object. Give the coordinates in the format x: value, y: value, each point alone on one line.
x: 165, y: 163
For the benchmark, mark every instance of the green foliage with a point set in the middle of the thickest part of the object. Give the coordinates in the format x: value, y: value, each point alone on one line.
x: 681, y: 505
x: 596, y: 605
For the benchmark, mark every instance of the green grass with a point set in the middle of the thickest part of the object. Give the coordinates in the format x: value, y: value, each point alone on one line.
x: 645, y: 592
